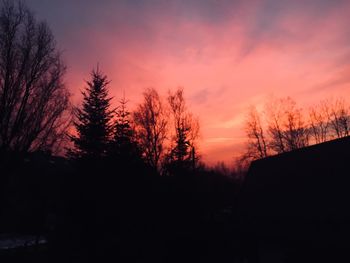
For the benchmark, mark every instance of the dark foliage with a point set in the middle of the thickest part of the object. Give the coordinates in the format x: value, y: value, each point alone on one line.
x: 122, y: 211
x: 124, y: 147
x: 93, y: 124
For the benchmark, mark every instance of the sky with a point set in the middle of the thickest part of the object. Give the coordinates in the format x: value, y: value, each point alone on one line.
x: 226, y: 54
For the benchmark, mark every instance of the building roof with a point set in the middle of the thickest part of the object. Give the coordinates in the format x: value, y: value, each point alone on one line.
x: 306, y: 185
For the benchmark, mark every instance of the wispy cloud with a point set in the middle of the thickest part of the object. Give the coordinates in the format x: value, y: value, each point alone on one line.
x: 224, y: 53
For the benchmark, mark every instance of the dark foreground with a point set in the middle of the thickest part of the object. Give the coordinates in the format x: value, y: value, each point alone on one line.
x: 90, y: 212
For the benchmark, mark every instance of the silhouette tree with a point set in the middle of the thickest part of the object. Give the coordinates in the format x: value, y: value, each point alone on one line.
x: 186, y: 128
x: 296, y: 132
x: 257, y: 143
x: 124, y: 147
x: 286, y: 126
x: 34, y: 103
x: 318, y: 121
x: 338, y: 117
x: 151, y: 124
x: 93, y: 125
x: 274, y: 115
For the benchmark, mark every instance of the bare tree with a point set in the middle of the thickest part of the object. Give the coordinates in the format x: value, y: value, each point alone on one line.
x: 318, y: 121
x: 186, y: 130
x: 287, y: 130
x: 257, y: 145
x: 295, y: 132
x: 286, y: 126
x: 33, y: 99
x: 151, y: 125
x: 275, y: 112
x: 338, y: 117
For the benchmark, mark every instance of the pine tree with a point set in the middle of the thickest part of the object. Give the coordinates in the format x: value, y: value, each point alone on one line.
x: 93, y: 125
x: 124, y: 147
x: 181, y: 149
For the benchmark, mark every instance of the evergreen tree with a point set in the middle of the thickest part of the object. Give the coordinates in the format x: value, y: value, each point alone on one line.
x: 124, y: 147
x: 93, y: 125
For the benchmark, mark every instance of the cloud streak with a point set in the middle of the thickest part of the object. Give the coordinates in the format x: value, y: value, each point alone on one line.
x: 226, y: 54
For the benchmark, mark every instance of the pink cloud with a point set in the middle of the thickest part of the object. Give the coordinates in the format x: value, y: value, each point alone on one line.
x: 226, y: 57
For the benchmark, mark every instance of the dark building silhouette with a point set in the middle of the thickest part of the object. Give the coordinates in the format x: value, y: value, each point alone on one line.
x: 299, y: 200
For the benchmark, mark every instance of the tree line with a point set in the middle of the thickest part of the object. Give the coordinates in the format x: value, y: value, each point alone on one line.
x: 282, y: 126
x: 36, y: 113
x: 161, y: 133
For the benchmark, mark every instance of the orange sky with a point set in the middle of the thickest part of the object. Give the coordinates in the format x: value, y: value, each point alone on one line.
x: 226, y: 54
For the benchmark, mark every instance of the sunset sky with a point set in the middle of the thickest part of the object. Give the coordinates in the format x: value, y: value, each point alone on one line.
x: 226, y: 54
